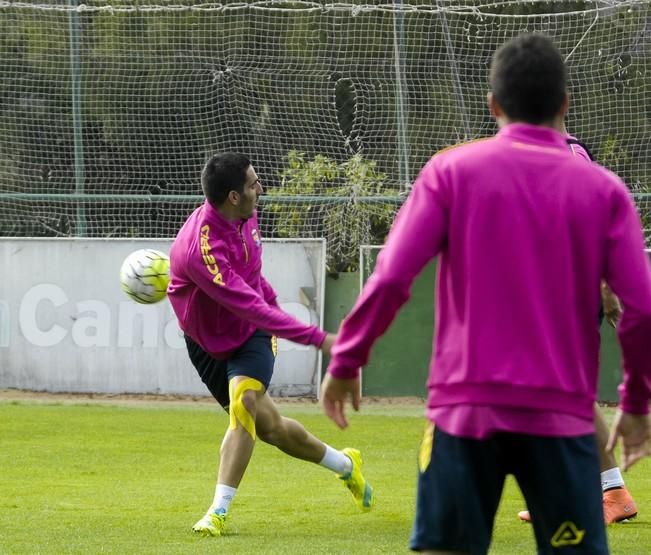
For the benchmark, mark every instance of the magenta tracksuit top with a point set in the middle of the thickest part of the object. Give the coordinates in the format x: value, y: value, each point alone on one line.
x: 525, y: 231
x: 217, y: 289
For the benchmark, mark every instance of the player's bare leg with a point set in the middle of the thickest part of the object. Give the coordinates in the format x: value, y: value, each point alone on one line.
x: 291, y: 437
x: 618, y: 503
x: 237, y: 445
x: 606, y: 459
x: 235, y: 452
x: 254, y: 415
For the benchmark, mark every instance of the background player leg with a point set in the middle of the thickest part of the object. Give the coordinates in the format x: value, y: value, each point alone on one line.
x: 237, y: 445
x: 618, y: 503
x: 291, y: 437
x: 234, y: 455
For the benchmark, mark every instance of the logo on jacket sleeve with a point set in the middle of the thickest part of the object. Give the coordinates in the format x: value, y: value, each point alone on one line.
x: 256, y: 237
x: 208, y: 259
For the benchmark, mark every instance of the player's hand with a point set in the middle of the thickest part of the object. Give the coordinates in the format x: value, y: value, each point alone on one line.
x: 327, y: 344
x: 334, y: 394
x: 635, y: 431
x: 611, y: 304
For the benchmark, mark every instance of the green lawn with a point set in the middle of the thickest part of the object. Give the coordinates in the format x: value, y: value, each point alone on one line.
x: 133, y: 477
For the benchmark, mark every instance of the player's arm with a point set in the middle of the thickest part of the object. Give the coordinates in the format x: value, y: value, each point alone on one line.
x: 628, y: 272
x: 215, y: 277
x: 611, y: 304
x: 416, y: 236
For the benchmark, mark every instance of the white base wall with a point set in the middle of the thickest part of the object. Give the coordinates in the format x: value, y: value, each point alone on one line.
x: 65, y: 325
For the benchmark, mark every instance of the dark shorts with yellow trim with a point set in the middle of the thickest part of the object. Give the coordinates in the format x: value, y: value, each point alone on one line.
x: 254, y: 359
x: 461, y: 480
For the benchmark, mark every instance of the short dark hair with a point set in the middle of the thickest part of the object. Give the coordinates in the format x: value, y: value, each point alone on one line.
x: 222, y: 174
x: 529, y: 79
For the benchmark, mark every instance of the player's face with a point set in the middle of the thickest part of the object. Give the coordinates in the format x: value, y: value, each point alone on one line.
x: 249, y: 196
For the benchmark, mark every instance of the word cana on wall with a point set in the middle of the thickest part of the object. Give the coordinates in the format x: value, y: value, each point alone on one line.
x: 97, y: 323
x: 88, y: 323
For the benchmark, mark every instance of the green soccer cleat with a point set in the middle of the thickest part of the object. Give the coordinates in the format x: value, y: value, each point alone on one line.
x: 356, y: 483
x: 212, y: 524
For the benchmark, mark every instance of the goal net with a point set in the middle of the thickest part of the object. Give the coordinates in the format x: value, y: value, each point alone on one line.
x: 108, y: 112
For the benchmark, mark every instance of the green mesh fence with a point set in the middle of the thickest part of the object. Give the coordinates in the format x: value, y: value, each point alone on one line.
x: 107, y: 112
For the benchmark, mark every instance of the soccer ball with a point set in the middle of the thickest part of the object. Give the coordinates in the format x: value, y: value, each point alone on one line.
x: 144, y: 275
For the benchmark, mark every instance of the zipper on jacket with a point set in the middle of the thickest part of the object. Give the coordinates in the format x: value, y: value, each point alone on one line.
x: 246, y: 250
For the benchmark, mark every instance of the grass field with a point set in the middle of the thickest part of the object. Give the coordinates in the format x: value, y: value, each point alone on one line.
x: 132, y: 477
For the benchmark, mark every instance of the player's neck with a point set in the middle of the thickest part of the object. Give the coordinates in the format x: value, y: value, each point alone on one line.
x: 228, y: 212
x: 558, y: 123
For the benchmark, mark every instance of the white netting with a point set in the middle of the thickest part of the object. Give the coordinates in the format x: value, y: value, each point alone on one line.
x: 108, y: 112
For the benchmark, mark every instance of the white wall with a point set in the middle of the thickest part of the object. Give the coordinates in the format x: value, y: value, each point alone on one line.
x: 65, y: 325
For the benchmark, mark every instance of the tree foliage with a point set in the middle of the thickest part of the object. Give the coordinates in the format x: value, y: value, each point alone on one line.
x: 314, y: 93
x: 352, y: 211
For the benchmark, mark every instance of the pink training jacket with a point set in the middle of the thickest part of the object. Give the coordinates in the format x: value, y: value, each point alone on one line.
x: 525, y: 231
x: 217, y: 289
x: 578, y: 150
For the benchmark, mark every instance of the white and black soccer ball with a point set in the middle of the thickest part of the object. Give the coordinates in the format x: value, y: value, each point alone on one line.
x: 144, y: 275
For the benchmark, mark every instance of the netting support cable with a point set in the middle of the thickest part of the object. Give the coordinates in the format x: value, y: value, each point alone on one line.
x: 456, y: 82
x: 594, y: 22
x: 399, y: 61
x: 75, y: 83
x: 196, y: 199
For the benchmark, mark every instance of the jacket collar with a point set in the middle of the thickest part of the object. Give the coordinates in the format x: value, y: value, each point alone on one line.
x: 217, y: 219
x: 533, y: 134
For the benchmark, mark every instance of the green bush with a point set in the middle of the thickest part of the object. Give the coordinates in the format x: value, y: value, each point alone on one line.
x: 354, y: 205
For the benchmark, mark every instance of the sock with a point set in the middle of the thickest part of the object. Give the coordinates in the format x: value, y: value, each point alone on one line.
x: 336, y: 461
x: 223, y: 497
x: 611, y: 478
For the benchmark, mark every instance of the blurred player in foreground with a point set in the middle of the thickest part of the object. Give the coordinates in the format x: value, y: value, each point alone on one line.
x: 617, y: 501
x: 525, y: 231
x: 230, y: 317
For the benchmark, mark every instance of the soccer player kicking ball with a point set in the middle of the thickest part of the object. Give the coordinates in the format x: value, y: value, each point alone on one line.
x: 230, y: 317
x: 522, y: 228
